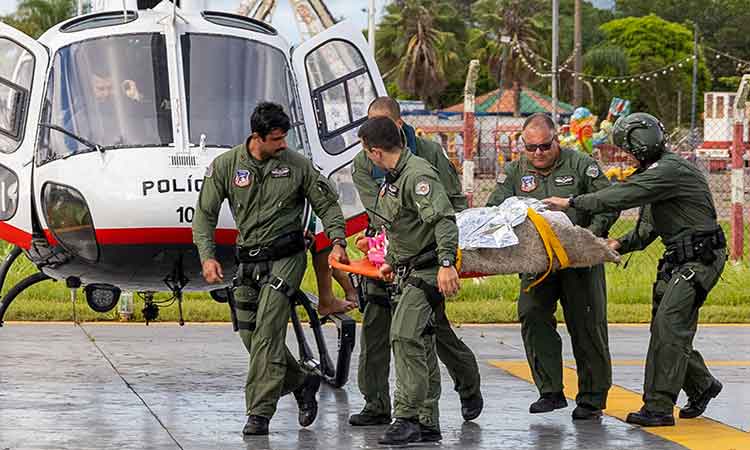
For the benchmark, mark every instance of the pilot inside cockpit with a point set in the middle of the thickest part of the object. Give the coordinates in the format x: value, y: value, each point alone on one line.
x: 111, y: 92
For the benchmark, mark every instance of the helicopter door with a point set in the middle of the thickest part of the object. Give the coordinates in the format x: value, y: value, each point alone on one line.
x: 337, y: 79
x: 23, y: 64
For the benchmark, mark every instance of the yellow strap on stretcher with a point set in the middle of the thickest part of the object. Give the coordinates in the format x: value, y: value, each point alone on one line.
x: 458, y: 260
x: 551, y: 244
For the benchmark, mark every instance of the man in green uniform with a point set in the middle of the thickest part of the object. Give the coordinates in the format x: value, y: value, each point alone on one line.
x: 375, y: 349
x: 545, y: 170
x: 681, y: 211
x: 423, y: 242
x: 266, y: 187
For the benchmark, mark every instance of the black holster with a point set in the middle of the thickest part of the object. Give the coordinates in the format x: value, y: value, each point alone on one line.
x: 695, y: 247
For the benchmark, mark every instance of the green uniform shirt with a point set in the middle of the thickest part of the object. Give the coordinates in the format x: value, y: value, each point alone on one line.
x: 678, y: 195
x: 267, y: 198
x: 574, y: 173
x: 368, y: 184
x: 416, y: 212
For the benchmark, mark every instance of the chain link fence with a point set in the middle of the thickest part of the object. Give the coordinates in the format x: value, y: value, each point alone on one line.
x: 496, y: 144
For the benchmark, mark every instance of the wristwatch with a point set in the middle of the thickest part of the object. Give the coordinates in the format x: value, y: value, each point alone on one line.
x: 571, y: 201
x: 340, y: 241
x: 445, y: 262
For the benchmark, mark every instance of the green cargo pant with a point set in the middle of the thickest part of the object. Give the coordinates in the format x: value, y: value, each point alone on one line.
x: 417, y: 373
x: 583, y: 297
x: 672, y: 363
x: 375, y: 355
x: 263, y: 317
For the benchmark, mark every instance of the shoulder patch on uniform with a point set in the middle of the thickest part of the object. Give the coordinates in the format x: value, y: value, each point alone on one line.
x: 654, y: 165
x: 422, y: 188
x: 209, y: 170
x: 242, y: 178
x: 281, y: 172
x: 593, y: 171
x: 501, y: 178
x: 528, y: 183
x: 565, y: 180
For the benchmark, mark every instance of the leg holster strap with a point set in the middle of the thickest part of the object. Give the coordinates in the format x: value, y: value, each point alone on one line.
x: 246, y: 306
x: 248, y: 326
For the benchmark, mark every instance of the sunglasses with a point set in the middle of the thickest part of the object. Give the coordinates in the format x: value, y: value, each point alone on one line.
x: 531, y: 148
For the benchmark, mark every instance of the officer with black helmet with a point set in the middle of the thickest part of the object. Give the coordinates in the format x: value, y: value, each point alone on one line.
x: 676, y: 205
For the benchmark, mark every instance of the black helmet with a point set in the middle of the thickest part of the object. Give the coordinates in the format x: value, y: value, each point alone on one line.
x: 641, y: 135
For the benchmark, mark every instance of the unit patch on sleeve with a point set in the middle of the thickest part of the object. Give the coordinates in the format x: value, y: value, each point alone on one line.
x: 422, y: 188
x: 565, y: 180
x: 593, y: 171
x: 242, y: 178
x: 501, y: 178
x: 528, y: 183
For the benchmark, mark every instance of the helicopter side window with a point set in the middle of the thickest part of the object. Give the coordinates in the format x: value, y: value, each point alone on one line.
x: 342, y: 90
x: 111, y: 92
x: 16, y: 68
x: 225, y: 79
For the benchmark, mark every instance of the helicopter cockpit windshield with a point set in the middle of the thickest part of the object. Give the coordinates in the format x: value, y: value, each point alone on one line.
x: 111, y: 92
x: 225, y: 79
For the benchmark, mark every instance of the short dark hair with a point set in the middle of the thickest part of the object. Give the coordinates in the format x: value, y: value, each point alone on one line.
x: 387, y: 105
x: 380, y: 132
x: 540, y: 118
x: 267, y: 117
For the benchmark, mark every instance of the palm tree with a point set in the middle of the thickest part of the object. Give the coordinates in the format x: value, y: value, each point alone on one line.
x: 415, y: 48
x: 515, y: 19
x: 604, y: 61
x: 38, y: 16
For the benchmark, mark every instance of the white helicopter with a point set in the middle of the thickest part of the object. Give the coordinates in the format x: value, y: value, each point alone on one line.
x: 108, y: 122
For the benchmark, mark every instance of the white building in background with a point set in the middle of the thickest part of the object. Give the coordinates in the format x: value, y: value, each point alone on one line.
x: 718, y: 124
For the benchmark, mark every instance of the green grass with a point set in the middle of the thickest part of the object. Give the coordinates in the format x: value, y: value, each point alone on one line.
x: 493, y: 300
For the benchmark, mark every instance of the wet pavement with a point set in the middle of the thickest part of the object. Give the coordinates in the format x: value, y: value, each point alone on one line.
x: 166, y: 387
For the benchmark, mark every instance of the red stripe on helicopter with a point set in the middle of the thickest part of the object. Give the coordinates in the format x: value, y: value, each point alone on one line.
x: 133, y: 236
x: 139, y: 236
x: 353, y: 225
x: 15, y: 235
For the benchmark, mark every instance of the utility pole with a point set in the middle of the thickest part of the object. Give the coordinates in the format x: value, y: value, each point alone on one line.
x: 555, y: 47
x: 695, y: 85
x: 371, y: 25
x: 578, y: 64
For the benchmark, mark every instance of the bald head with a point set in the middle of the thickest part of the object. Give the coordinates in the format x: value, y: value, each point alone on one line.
x: 385, y: 107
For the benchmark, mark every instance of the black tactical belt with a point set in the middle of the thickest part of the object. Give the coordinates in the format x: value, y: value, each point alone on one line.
x: 281, y: 247
x: 427, y: 258
x: 696, y: 247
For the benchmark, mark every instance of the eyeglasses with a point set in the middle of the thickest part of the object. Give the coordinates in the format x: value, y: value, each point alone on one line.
x: 531, y: 148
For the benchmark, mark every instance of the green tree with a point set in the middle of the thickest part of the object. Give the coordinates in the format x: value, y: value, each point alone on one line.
x: 651, y: 43
x: 414, y: 48
x: 34, y: 17
x: 722, y: 24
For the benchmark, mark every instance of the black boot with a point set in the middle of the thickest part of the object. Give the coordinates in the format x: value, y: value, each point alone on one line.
x: 305, y: 395
x: 430, y: 434
x: 401, y: 431
x: 548, y: 402
x: 365, y: 419
x: 586, y: 412
x: 696, y: 406
x: 256, y: 425
x: 646, y: 418
x: 471, y: 407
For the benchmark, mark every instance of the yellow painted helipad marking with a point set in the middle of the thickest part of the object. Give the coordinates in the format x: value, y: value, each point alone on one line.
x: 697, y: 434
x: 640, y: 362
